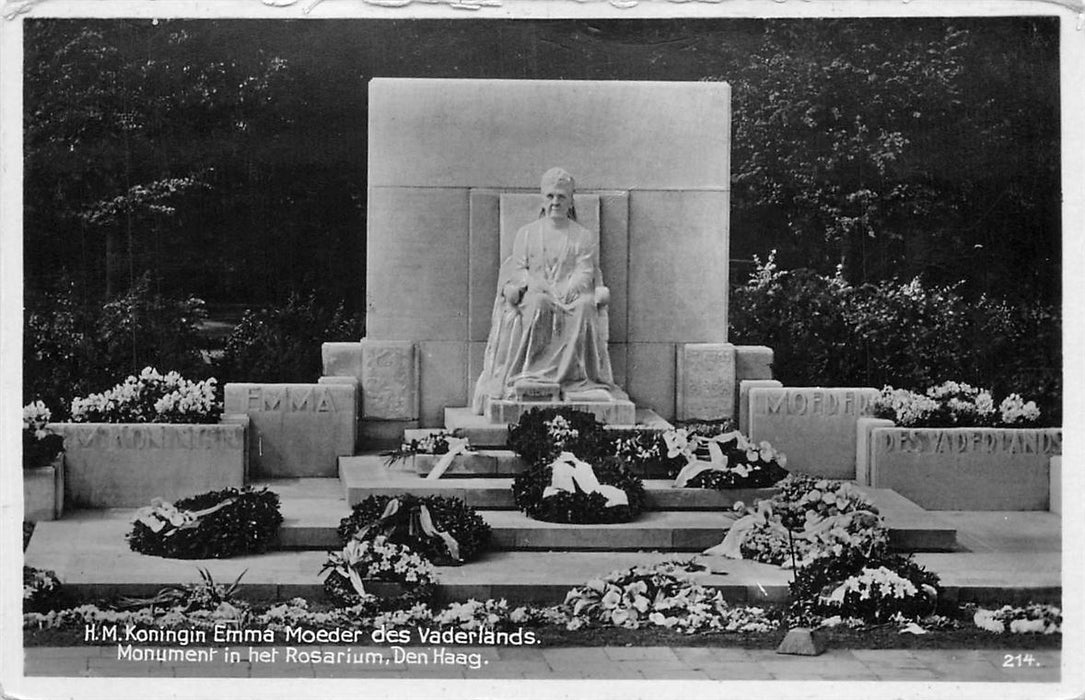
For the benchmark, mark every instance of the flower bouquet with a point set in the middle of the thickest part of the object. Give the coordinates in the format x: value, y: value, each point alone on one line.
x: 725, y: 461
x: 1038, y: 618
x: 353, y: 571
x: 660, y: 595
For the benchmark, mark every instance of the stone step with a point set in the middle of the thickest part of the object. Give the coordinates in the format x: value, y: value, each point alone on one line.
x: 88, y: 552
x: 480, y: 432
x: 310, y: 523
x: 478, y: 463
x: 911, y: 528
x: 495, y: 493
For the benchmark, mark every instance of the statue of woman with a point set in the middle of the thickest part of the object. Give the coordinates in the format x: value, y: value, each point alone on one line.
x: 549, y: 320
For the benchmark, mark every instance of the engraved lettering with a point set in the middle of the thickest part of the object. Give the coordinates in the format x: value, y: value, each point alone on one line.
x: 325, y: 405
x: 252, y: 398
x: 795, y: 404
x: 776, y: 401
x: 272, y: 402
x: 303, y: 405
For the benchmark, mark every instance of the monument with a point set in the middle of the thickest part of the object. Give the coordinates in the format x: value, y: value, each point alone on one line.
x: 548, y: 332
x: 454, y: 177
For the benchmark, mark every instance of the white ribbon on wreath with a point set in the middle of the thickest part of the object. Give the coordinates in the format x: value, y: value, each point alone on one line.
x: 569, y: 473
x: 162, y: 514
x: 456, y: 446
x: 717, y: 461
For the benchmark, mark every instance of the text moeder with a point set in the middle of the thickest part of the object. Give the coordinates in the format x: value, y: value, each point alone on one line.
x: 813, y: 402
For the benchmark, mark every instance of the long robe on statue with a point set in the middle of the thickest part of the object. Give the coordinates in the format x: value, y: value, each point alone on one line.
x: 557, y: 333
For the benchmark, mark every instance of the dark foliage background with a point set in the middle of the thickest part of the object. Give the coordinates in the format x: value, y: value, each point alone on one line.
x: 225, y: 160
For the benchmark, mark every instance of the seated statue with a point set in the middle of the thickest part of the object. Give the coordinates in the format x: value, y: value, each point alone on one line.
x: 549, y: 323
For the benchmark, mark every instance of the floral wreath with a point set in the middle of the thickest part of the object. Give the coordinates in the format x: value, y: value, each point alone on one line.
x: 381, y: 560
x: 570, y: 490
x: 216, y: 524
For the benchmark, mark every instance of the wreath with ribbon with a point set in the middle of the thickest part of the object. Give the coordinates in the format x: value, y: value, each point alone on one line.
x: 362, y: 571
x: 725, y: 461
x: 212, y: 525
x: 542, y: 434
x: 570, y: 490
x: 443, y: 530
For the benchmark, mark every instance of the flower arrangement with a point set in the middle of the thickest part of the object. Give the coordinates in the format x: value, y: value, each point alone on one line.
x: 40, y: 445
x: 542, y: 434
x: 878, y: 594
x: 725, y: 461
x: 443, y: 530
x: 432, y: 444
x: 569, y: 490
x: 661, y: 595
x: 641, y: 449
x: 41, y: 590
x: 953, y: 404
x: 151, y: 398
x: 802, y: 499
x: 378, y: 559
x: 216, y: 524
x: 1038, y: 618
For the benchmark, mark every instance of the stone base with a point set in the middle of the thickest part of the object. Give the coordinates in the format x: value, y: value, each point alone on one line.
x: 482, y: 433
x: 619, y: 412
x: 43, y: 492
x: 537, y: 391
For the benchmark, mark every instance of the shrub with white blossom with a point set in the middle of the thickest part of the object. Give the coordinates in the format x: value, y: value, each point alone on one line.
x: 954, y: 404
x: 151, y: 397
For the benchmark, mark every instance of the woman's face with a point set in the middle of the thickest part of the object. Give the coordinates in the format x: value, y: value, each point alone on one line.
x: 556, y: 202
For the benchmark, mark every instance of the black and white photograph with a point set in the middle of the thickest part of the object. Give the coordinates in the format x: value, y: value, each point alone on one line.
x: 541, y: 349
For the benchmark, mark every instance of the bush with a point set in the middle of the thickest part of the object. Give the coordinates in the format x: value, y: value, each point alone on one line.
x: 246, y: 526
x: 151, y: 398
x: 579, y: 507
x: 74, y: 345
x: 450, y: 515
x: 282, y: 344
x: 826, y: 332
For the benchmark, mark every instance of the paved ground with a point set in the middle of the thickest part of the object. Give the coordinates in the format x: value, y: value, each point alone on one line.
x: 627, y: 663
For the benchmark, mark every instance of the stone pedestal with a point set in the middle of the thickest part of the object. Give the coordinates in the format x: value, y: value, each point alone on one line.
x: 966, y: 468
x: 43, y: 491
x: 298, y: 430
x: 119, y: 465
x: 621, y: 412
x: 815, y: 427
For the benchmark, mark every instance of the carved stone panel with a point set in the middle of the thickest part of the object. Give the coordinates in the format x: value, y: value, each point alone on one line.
x: 706, y: 381
x: 389, y: 380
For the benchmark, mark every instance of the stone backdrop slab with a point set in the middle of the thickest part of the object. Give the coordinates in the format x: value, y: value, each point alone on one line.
x: 815, y: 427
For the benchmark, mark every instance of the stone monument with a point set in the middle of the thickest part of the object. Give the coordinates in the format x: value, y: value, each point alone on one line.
x: 549, y: 329
x: 453, y: 177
